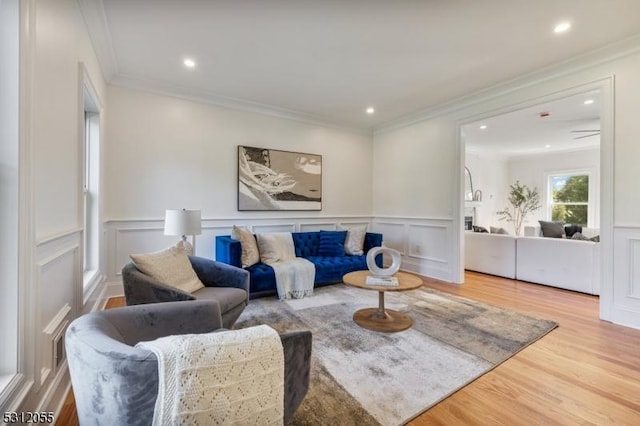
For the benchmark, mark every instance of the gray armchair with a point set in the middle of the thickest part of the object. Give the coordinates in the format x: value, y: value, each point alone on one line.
x: 115, y: 383
x: 226, y: 284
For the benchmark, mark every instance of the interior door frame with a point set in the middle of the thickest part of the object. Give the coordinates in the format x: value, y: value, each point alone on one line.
x: 607, y: 141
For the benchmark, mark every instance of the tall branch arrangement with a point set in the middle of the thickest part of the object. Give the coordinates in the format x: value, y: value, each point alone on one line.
x: 524, y: 201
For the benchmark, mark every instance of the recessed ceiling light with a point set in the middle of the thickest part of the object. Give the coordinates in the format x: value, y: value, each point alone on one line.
x: 562, y: 27
x: 547, y: 146
x: 371, y: 110
x: 588, y: 102
x: 484, y: 126
x: 189, y: 63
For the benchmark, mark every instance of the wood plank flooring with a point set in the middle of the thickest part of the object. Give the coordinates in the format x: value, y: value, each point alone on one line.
x: 586, y: 371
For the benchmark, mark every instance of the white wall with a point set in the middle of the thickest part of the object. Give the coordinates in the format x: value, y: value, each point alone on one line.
x: 489, y: 174
x: 56, y: 42
x: 531, y: 171
x: 413, y: 192
x: 431, y: 142
x: 165, y: 152
x: 61, y: 43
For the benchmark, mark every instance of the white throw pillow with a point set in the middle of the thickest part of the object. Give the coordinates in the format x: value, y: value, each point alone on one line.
x: 250, y: 253
x: 170, y: 267
x: 354, y: 243
x: 276, y: 247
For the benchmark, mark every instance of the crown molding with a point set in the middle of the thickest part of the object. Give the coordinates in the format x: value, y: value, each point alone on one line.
x: 572, y: 65
x: 95, y: 20
x: 195, y: 95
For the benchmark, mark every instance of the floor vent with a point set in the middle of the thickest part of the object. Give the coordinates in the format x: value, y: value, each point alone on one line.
x: 54, y: 353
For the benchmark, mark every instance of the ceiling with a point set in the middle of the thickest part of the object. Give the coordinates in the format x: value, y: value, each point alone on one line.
x: 329, y: 60
x: 562, y: 125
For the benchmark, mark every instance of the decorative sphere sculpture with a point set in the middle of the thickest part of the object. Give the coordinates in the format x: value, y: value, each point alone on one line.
x: 383, y: 272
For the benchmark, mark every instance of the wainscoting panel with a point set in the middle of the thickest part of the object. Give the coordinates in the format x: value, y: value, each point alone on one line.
x: 57, y: 283
x: 427, y: 241
x: 138, y: 240
x: 393, y: 235
x: 124, y: 237
x: 626, y: 267
x: 424, y: 242
x: 58, y: 300
x: 258, y: 229
x: 320, y: 226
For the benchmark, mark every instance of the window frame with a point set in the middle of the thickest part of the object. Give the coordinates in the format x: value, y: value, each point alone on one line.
x: 91, y: 198
x: 591, y: 203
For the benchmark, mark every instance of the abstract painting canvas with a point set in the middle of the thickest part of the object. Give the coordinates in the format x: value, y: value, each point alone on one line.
x: 269, y: 179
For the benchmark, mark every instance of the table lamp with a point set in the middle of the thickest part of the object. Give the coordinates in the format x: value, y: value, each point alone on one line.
x: 182, y: 223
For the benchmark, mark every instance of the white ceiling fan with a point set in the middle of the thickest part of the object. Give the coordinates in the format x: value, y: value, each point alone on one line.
x: 588, y: 133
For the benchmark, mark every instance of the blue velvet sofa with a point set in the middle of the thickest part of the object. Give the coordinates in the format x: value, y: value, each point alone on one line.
x: 329, y: 269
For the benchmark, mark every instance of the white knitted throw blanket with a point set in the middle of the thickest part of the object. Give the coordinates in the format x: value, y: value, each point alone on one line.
x: 224, y: 378
x: 294, y: 278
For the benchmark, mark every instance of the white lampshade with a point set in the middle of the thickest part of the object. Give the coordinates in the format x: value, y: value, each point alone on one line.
x: 182, y: 222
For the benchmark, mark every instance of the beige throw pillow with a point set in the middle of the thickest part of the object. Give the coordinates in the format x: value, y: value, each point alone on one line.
x: 250, y: 253
x: 354, y: 242
x: 276, y: 247
x: 170, y: 267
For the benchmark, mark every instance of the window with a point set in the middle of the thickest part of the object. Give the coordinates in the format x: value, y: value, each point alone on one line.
x: 9, y: 191
x: 568, y: 198
x: 91, y: 190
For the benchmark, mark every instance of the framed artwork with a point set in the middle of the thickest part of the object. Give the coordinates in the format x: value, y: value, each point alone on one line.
x: 269, y: 179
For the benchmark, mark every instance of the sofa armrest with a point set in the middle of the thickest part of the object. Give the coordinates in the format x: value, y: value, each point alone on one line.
x: 297, y: 366
x: 218, y: 274
x: 140, y: 288
x: 228, y: 250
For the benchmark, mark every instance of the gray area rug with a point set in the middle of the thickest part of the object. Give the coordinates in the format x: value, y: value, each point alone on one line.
x: 363, y: 377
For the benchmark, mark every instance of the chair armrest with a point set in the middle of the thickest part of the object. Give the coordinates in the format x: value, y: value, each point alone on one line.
x: 140, y: 288
x: 218, y: 274
x: 297, y: 366
x: 151, y: 321
x: 228, y: 250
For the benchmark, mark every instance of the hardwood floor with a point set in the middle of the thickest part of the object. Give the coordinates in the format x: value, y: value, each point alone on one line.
x: 586, y: 371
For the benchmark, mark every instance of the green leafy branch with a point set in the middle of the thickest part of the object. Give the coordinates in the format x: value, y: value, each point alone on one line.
x: 524, y: 201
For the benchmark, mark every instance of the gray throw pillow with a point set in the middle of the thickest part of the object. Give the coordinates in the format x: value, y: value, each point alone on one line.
x: 552, y: 229
x: 579, y: 236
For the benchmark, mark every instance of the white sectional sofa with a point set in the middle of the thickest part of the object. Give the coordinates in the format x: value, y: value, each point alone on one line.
x: 493, y: 254
x: 558, y: 262
x: 564, y: 263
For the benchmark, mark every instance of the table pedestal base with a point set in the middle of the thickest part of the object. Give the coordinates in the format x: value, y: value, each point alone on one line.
x: 385, y: 320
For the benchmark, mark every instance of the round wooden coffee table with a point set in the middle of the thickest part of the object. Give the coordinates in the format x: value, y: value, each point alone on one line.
x: 381, y: 319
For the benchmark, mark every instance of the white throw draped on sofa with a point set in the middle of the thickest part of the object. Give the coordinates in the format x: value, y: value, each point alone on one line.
x: 295, y: 276
x: 227, y: 377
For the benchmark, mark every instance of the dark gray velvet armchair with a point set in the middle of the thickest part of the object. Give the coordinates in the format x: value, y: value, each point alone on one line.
x: 226, y: 284
x: 115, y: 383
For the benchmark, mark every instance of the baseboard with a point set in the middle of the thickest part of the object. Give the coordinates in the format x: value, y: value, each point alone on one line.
x: 114, y: 289
x: 420, y: 268
x: 56, y: 394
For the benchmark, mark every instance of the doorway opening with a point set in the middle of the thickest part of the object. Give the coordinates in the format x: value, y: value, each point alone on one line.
x: 562, y: 145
